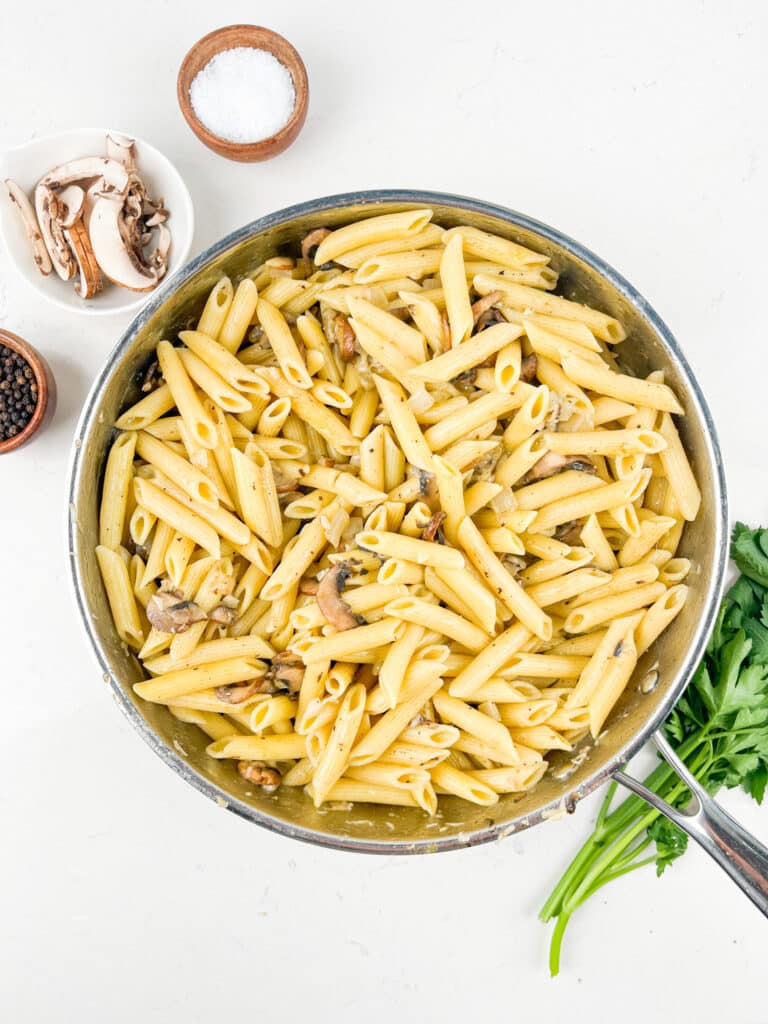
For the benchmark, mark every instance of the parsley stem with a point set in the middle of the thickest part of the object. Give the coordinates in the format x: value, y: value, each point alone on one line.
x: 557, y: 941
x: 608, y: 849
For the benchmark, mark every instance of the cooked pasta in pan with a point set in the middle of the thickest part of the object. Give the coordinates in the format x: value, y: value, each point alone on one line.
x: 391, y: 523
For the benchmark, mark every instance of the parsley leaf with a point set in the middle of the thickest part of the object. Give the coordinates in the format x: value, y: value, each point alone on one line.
x: 749, y: 550
x: 671, y: 842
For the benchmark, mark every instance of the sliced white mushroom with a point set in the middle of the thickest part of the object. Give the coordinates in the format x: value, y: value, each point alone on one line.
x: 89, y: 280
x: 86, y: 168
x: 114, y: 253
x: 70, y: 211
x: 122, y: 149
x: 92, y: 217
x: 20, y: 200
x: 47, y: 208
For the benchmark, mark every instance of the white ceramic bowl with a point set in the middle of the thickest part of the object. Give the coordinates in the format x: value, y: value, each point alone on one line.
x: 28, y: 163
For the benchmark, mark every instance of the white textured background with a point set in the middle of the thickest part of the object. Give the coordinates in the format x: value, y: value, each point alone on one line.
x: 639, y: 130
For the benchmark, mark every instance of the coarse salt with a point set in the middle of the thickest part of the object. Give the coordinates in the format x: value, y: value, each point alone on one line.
x: 243, y: 95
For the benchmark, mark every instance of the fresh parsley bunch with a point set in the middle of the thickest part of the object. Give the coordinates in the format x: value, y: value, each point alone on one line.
x: 719, y: 728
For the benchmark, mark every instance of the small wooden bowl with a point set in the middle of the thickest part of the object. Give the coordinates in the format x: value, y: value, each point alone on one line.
x: 46, y: 390
x: 261, y: 39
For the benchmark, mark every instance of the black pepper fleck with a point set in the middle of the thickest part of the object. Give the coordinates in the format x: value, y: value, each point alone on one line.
x: 18, y: 393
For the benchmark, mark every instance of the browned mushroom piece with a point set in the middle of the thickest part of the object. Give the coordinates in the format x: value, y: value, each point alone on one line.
x: 514, y: 564
x: 170, y: 613
x: 430, y: 531
x: 285, y: 481
x: 223, y: 613
x: 308, y: 587
x: 489, y: 318
x: 466, y: 380
x: 484, y: 466
x: 485, y: 303
x: 285, y: 675
x: 570, y: 533
x: 427, y: 484
x: 329, y: 599
x: 552, y: 463
x: 152, y: 378
x: 258, y: 774
x: 528, y: 368
x: 311, y: 241
x: 345, y: 337
x: 237, y: 693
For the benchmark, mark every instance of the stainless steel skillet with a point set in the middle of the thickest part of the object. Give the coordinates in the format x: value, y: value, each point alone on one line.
x: 372, y: 829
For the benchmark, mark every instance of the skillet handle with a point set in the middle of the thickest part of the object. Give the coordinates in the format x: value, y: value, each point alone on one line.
x: 737, y: 852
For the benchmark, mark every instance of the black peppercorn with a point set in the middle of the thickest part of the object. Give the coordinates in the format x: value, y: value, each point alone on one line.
x: 18, y: 393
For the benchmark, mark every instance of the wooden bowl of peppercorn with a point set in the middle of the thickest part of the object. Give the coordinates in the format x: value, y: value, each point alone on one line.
x: 27, y: 392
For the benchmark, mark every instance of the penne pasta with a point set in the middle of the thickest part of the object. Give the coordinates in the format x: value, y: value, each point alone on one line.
x: 522, y: 297
x: 283, y: 344
x: 373, y: 229
x: 218, y: 390
x: 501, y: 582
x: 118, y: 478
x: 216, y: 308
x: 424, y: 525
x: 120, y: 595
x: 238, y: 316
x: 618, y: 385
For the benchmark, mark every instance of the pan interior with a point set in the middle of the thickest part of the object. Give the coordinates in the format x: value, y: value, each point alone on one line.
x: 367, y: 827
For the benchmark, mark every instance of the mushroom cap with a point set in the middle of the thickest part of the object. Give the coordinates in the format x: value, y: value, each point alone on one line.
x: 113, y: 172
x: 117, y: 261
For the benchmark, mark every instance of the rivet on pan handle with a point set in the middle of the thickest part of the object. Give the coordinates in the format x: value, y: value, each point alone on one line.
x: 737, y: 852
